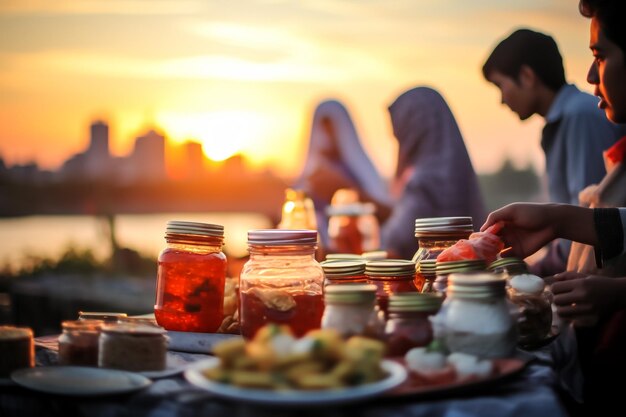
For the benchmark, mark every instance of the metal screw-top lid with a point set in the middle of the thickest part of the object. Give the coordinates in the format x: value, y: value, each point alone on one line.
x: 176, y: 227
x: 514, y: 266
x: 450, y: 267
x: 389, y: 267
x: 476, y: 285
x: 410, y: 301
x: 350, y: 294
x: 427, y: 267
x: 375, y: 255
x: 343, y: 268
x: 282, y: 237
x: 444, y: 226
x: 343, y: 256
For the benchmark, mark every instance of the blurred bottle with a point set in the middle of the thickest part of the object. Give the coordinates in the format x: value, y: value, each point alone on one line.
x: 352, y: 226
x: 298, y: 211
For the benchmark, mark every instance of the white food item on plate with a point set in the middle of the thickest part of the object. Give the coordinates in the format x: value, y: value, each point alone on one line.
x: 421, y: 360
x: 469, y: 365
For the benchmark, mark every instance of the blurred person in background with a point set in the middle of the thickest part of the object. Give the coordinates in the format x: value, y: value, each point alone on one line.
x: 527, y: 68
x: 336, y: 160
x: 434, y: 174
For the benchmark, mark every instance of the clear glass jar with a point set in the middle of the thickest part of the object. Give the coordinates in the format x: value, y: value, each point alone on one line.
x: 78, y: 343
x: 351, y: 310
x: 344, y: 272
x: 17, y: 349
x: 281, y: 282
x: 132, y: 347
x: 390, y: 276
x: 435, y: 234
x: 476, y: 318
x: 408, y: 325
x: 534, y: 308
x: 191, y: 278
x: 352, y: 225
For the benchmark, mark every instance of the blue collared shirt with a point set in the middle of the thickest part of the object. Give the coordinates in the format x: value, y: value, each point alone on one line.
x: 573, y: 139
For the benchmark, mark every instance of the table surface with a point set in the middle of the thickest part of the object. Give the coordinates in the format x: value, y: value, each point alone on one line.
x: 529, y: 393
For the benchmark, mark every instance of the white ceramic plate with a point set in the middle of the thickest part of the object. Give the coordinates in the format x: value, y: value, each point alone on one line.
x: 78, y: 380
x: 396, y: 374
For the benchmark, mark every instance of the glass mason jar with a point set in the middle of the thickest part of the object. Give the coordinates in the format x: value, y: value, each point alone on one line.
x: 508, y: 266
x: 132, y: 347
x: 476, y: 318
x: 408, y: 325
x: 534, y: 308
x: 434, y: 235
x: 390, y: 276
x: 351, y: 310
x: 78, y: 343
x: 281, y: 282
x: 344, y: 272
x: 191, y: 278
x: 17, y: 349
x: 443, y: 269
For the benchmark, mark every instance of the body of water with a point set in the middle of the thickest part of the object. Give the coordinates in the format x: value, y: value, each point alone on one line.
x: 49, y: 236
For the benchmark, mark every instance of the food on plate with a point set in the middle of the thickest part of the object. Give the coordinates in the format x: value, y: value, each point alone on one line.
x: 132, y: 347
x: 480, y: 245
x: 436, y: 368
x: 275, y: 359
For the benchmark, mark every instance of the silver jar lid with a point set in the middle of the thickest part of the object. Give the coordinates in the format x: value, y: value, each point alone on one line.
x: 350, y: 294
x: 414, y: 301
x: 390, y: 267
x: 177, y: 227
x: 343, y: 268
x: 443, y: 226
x: 282, y: 237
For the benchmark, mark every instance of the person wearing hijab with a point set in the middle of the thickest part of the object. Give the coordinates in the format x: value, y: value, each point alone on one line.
x: 434, y: 175
x: 336, y: 160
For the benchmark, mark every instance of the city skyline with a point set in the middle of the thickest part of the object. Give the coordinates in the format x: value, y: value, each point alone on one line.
x: 245, y: 78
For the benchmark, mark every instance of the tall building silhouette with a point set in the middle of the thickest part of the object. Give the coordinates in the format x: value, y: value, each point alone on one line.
x: 147, y: 162
x: 97, y: 157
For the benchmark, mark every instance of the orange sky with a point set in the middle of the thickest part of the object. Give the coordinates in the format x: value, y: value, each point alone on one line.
x: 244, y: 76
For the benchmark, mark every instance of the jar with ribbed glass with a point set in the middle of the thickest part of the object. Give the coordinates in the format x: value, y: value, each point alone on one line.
x: 443, y: 269
x: 191, y: 278
x: 434, y: 235
x: 426, y: 272
x: 344, y: 272
x: 351, y: 310
x: 475, y: 317
x: 78, y: 343
x: 390, y: 276
x: 408, y: 325
x: 282, y: 282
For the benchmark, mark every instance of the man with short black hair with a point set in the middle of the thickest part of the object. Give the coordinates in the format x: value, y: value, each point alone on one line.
x: 527, y: 67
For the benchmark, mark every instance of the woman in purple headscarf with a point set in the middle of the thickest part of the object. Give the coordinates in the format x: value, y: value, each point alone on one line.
x: 434, y: 175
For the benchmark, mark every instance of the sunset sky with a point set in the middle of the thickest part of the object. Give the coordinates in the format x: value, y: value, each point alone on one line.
x: 244, y: 75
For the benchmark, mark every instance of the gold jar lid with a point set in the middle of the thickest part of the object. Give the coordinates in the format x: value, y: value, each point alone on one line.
x: 410, y: 301
x: 15, y: 333
x: 350, y: 294
x: 390, y: 267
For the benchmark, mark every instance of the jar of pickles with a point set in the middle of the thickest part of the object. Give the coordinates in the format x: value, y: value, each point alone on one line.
x: 390, y: 276
x: 191, y: 277
x: 408, y: 325
x: 78, y: 343
x: 344, y: 272
x: 351, y: 310
x: 281, y: 282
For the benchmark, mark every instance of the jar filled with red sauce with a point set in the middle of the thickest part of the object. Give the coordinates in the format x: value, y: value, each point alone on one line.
x: 408, y: 325
x: 344, y: 272
x: 191, y: 277
x: 281, y: 282
x: 390, y: 276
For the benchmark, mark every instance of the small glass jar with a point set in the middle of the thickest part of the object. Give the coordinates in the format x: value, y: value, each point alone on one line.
x: 390, y: 276
x: 344, y: 272
x: 408, y: 325
x: 281, y: 282
x: 476, y: 318
x: 78, y: 343
x: 443, y: 269
x: 435, y: 234
x: 534, y: 308
x: 191, y: 278
x: 132, y: 347
x: 351, y: 310
x: 17, y: 349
